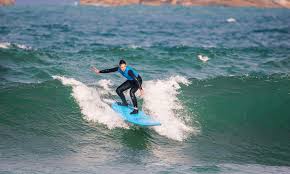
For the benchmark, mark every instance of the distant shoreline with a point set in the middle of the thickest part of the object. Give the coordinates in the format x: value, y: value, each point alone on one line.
x: 7, y: 2
x: 232, y: 3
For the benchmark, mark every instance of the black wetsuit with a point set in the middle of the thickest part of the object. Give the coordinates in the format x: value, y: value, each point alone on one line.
x: 134, y: 84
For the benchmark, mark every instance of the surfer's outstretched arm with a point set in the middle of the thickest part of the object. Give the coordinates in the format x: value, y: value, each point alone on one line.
x: 109, y: 70
x: 105, y: 70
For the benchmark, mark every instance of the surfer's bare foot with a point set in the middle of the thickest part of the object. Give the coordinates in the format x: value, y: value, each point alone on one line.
x: 122, y: 104
x: 135, y: 111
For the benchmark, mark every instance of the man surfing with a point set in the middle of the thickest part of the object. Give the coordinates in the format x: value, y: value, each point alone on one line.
x: 134, y: 82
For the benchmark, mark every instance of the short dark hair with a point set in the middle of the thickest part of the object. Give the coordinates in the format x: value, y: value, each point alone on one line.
x: 122, y: 62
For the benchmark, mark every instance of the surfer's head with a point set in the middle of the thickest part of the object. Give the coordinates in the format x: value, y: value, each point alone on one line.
x: 122, y: 65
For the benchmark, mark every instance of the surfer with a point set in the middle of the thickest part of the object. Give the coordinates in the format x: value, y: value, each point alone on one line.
x: 133, y: 82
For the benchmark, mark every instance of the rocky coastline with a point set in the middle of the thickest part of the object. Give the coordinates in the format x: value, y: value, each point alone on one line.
x: 232, y: 3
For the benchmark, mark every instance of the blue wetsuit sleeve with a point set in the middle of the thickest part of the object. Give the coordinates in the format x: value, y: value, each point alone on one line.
x: 109, y: 70
x: 131, y: 74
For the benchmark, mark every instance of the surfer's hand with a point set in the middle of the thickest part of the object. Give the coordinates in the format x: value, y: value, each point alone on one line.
x: 95, y: 70
x: 142, y: 92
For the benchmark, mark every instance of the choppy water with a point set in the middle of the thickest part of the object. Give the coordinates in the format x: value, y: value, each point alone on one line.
x: 227, y: 114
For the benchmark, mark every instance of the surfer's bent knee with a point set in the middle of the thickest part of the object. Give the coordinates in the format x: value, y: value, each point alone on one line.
x: 132, y: 92
x: 118, y: 90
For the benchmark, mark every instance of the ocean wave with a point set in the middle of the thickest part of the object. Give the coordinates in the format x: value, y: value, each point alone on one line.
x: 240, y: 101
x: 272, y: 30
x: 160, y: 101
x: 7, y: 45
x: 92, y: 105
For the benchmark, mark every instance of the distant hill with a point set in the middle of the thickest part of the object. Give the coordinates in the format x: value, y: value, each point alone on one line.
x: 7, y: 2
x: 234, y: 3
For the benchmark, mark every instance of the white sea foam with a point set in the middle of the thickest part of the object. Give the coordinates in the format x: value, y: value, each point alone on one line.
x: 161, y: 101
x: 203, y: 58
x: 7, y: 45
x: 25, y: 47
x: 92, y: 106
x: 134, y: 46
x: 253, y: 168
x: 106, y: 85
x: 230, y: 20
x: 4, y: 45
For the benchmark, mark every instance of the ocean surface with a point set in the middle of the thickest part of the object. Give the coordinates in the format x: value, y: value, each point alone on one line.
x: 217, y: 79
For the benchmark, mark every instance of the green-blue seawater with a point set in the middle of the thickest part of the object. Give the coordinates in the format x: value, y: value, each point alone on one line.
x: 217, y: 78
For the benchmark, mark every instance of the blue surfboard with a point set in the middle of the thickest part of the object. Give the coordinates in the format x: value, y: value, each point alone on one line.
x: 140, y: 119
